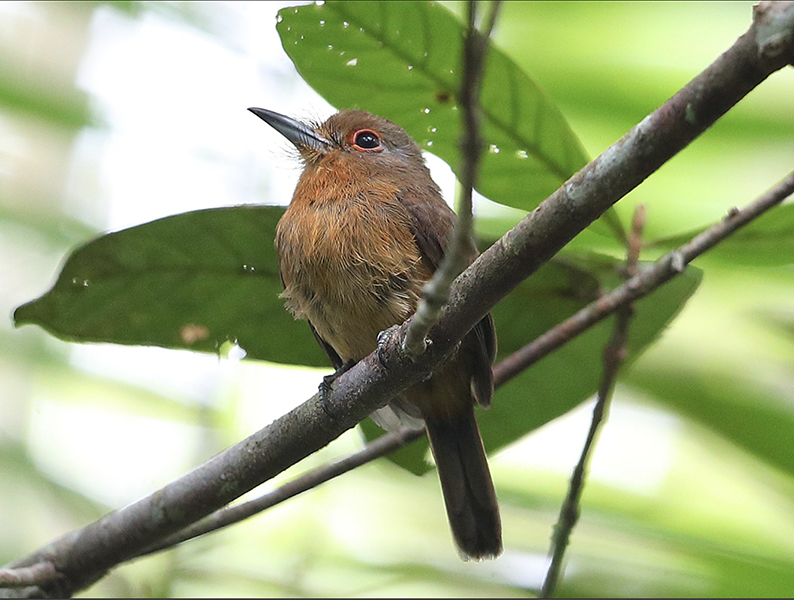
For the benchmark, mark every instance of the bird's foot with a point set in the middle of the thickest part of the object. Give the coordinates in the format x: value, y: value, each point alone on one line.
x: 383, y: 338
x: 324, y: 390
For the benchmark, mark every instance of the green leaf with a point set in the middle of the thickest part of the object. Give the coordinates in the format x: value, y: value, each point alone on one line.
x: 767, y: 241
x: 402, y: 60
x: 570, y: 375
x: 192, y: 281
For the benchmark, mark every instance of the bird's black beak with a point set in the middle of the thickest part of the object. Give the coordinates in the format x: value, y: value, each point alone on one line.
x: 300, y: 134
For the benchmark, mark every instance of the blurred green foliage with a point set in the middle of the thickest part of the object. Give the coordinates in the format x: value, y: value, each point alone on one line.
x: 720, y: 519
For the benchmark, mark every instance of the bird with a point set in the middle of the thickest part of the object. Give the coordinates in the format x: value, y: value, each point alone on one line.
x: 365, y: 230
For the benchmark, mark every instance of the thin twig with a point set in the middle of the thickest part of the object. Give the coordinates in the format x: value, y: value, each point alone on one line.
x: 436, y: 291
x: 40, y: 573
x: 642, y: 284
x: 614, y: 354
x: 569, y: 512
x: 381, y: 446
x: 634, y: 243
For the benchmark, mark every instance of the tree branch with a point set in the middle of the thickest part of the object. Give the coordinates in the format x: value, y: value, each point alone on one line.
x: 42, y: 572
x: 82, y: 557
x: 621, y: 168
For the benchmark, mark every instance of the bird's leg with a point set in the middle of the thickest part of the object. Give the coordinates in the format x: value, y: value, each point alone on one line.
x: 325, y: 385
x: 383, y: 337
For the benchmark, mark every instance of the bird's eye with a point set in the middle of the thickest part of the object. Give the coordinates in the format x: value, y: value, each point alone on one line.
x: 366, y: 139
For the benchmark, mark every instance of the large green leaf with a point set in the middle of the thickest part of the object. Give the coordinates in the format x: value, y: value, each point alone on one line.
x: 767, y: 241
x: 402, y: 60
x: 192, y: 281
x: 570, y: 375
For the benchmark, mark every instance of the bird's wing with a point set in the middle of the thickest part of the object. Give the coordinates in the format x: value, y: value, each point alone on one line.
x: 336, y: 360
x: 432, y: 222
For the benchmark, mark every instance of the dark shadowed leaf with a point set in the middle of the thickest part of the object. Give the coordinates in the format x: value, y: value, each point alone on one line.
x: 565, y: 378
x: 401, y: 60
x: 570, y: 375
x: 191, y: 281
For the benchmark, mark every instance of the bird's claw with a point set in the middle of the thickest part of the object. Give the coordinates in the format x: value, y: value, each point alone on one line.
x: 383, y: 338
x: 324, y: 389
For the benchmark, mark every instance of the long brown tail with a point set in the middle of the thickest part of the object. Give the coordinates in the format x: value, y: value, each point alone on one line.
x: 466, y: 483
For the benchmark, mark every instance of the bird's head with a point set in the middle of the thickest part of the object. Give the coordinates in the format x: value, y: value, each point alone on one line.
x: 351, y: 136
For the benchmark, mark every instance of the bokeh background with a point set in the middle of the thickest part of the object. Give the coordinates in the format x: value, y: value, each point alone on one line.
x: 114, y: 114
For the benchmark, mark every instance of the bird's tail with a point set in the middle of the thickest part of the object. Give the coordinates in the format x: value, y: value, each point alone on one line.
x: 466, y: 484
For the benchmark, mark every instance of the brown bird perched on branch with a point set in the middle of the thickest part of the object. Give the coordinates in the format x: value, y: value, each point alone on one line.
x: 366, y: 228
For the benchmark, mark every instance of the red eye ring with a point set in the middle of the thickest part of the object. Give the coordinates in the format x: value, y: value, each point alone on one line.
x: 367, y: 140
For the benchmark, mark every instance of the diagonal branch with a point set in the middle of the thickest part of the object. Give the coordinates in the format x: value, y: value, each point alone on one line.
x: 767, y: 46
x: 42, y: 572
x: 83, y: 556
